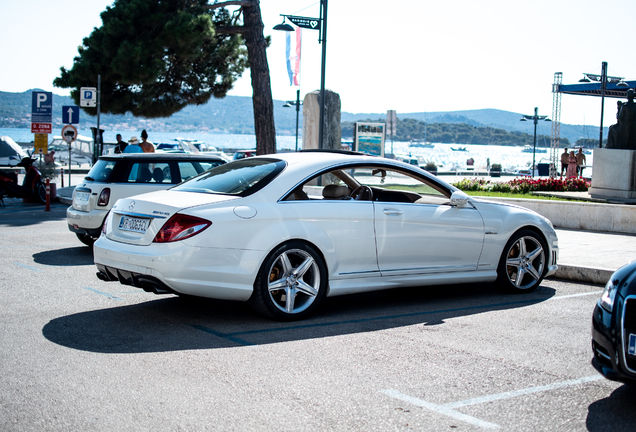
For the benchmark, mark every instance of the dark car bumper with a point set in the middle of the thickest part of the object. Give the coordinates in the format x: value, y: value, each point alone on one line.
x: 608, y: 358
x: 95, y: 233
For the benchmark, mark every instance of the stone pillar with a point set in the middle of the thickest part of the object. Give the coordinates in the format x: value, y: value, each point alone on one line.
x: 311, y: 120
x: 614, y: 175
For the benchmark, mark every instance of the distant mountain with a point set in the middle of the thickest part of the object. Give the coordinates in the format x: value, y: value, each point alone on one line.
x: 234, y: 114
x: 494, y: 118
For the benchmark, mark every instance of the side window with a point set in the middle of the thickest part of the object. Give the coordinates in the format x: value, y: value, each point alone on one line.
x: 400, y: 187
x: 140, y: 173
x: 160, y: 173
x: 187, y: 170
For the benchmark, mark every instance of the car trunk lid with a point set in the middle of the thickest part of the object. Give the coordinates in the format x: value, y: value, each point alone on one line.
x: 137, y: 220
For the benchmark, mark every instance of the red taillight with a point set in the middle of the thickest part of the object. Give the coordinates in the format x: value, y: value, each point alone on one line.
x: 180, y: 227
x: 105, y: 223
x: 104, y: 197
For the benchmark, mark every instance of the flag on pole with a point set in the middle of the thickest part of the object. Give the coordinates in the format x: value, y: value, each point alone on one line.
x: 293, y: 57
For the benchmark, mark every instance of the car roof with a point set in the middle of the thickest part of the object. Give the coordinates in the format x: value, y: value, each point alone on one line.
x: 305, y: 163
x: 161, y: 156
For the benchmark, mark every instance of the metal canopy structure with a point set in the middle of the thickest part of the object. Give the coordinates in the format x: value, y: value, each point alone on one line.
x: 594, y: 89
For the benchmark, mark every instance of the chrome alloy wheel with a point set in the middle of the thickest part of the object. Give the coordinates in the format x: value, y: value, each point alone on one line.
x: 294, y: 281
x: 525, y: 262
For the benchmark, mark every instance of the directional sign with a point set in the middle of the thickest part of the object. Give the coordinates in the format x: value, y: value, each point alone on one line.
x: 41, y: 128
x: 70, y: 114
x: 88, y: 97
x: 69, y: 133
x: 305, y: 22
x: 41, y: 107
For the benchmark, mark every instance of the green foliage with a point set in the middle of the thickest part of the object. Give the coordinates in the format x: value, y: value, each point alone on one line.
x: 495, y: 167
x: 588, y: 143
x: 157, y: 56
x: 430, y: 166
x: 524, y: 185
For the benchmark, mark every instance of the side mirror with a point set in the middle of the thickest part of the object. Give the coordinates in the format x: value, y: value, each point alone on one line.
x: 459, y: 199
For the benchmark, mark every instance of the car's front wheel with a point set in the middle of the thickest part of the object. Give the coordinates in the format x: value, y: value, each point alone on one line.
x: 291, y: 283
x: 523, y: 263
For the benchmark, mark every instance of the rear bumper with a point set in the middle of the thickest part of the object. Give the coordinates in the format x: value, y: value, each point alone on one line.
x: 83, y: 222
x: 225, y: 274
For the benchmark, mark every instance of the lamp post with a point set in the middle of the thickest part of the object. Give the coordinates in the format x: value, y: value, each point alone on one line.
x: 603, y: 79
x: 535, y: 118
x: 319, y: 24
x: 297, y: 103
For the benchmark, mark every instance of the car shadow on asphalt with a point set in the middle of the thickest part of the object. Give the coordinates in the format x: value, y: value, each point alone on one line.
x: 615, y: 412
x: 173, y: 323
x: 19, y: 215
x: 72, y: 256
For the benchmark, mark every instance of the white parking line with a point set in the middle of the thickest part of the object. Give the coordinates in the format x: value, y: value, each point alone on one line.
x: 441, y: 409
x: 449, y: 408
x: 597, y: 293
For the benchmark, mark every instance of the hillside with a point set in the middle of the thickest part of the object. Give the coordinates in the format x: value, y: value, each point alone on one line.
x: 234, y: 114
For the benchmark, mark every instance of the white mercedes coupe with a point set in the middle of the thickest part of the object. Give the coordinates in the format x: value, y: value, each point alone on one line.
x: 283, y: 231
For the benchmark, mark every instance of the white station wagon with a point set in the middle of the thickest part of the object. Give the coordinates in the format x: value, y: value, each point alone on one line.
x: 123, y: 175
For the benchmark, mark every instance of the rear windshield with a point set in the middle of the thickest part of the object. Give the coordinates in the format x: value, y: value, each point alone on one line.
x: 242, y: 177
x: 101, y: 171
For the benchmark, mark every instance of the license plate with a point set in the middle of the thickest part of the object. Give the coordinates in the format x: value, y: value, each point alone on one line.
x: 631, y: 348
x: 128, y: 223
x: 82, y: 197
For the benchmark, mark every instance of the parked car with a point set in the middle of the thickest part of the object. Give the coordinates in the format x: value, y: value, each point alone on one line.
x: 241, y: 154
x: 122, y: 175
x: 283, y: 231
x: 614, y: 327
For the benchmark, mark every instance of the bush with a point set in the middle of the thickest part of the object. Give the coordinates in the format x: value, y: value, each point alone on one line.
x: 524, y: 185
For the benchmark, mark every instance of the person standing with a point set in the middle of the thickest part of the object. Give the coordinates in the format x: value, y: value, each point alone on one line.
x: 580, y: 162
x: 571, y: 172
x: 121, y: 145
x: 146, y: 145
x: 565, y: 156
x: 133, y: 146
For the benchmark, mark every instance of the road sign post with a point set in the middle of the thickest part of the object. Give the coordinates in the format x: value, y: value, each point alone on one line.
x: 70, y: 114
x: 41, y: 112
x: 88, y: 97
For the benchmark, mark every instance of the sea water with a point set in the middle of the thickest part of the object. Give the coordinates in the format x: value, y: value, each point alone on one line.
x: 443, y: 155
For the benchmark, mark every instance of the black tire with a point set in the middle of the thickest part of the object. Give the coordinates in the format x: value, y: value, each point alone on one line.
x: 523, y: 263
x: 86, y: 239
x: 40, y: 192
x: 291, y: 283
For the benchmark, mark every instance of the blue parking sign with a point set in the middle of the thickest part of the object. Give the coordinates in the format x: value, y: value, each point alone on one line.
x: 70, y: 114
x: 41, y: 107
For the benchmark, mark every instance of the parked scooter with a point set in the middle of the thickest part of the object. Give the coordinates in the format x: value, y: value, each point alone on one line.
x: 32, y: 186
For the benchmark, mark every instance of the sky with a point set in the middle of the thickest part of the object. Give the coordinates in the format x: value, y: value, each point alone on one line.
x: 403, y: 55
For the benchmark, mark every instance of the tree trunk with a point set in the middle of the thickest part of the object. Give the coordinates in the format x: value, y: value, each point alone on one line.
x: 261, y: 86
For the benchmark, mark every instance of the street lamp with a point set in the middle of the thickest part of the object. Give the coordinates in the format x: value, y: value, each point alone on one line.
x: 603, y: 79
x: 319, y: 24
x: 297, y: 103
x: 535, y: 118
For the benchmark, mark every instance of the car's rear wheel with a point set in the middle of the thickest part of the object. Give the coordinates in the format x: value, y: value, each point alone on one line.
x: 86, y: 239
x: 291, y: 283
x: 523, y: 263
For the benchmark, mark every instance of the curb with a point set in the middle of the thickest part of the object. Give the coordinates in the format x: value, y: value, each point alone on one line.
x: 591, y: 275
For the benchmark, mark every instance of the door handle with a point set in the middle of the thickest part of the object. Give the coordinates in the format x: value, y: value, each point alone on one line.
x: 392, y: 212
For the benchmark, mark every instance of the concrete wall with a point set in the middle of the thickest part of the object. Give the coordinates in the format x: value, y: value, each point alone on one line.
x: 581, y: 215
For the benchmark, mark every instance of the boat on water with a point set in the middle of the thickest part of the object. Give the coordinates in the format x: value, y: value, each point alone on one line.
x: 530, y: 149
x: 463, y: 149
x: 421, y: 144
